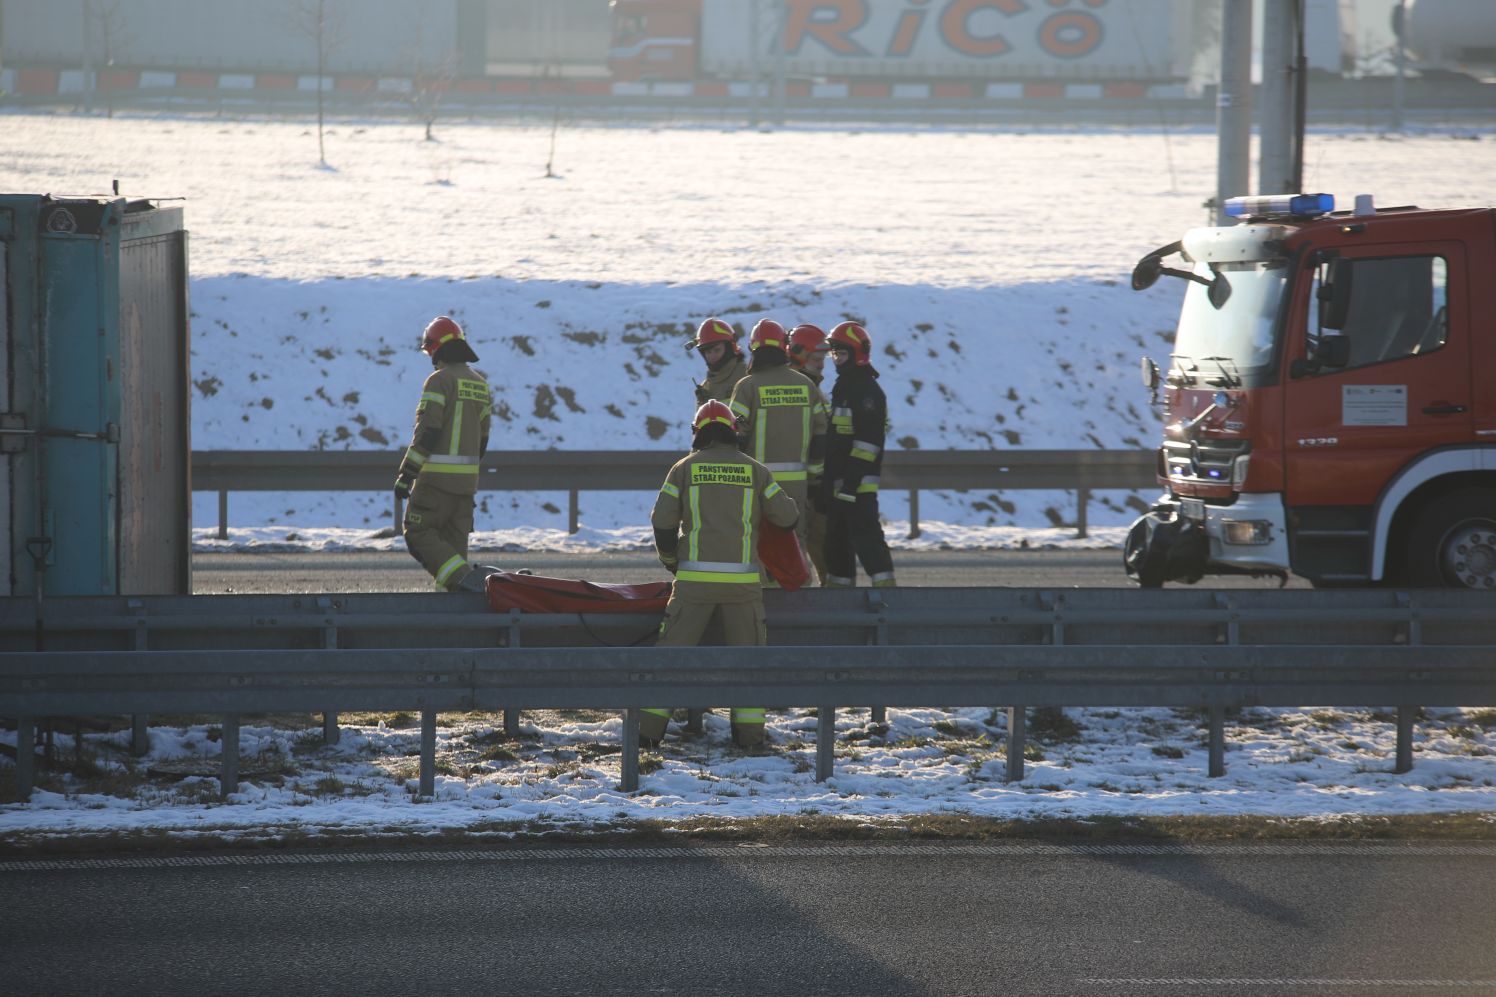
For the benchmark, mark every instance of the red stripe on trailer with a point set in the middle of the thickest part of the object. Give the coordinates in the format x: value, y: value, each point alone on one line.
x: 949, y: 91
x: 554, y: 87
x: 119, y: 79
x: 595, y: 87
x: 1124, y: 91
x: 871, y: 90
x: 202, y: 81
x: 275, y: 81
x: 36, y: 81
x: 355, y: 84
x: 711, y: 89
x: 513, y: 86
x: 797, y: 89
x: 472, y: 85
x: 1042, y: 91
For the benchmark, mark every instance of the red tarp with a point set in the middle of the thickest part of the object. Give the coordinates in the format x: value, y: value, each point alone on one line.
x: 778, y: 550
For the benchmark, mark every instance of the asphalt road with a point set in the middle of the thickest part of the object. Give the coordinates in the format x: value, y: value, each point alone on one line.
x: 872, y: 920
x: 397, y: 572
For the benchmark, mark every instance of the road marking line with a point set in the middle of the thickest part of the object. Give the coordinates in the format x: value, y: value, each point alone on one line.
x: 1278, y: 983
x: 744, y: 852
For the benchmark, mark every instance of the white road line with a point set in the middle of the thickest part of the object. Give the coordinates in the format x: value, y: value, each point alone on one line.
x: 1369, y: 850
x: 1280, y: 983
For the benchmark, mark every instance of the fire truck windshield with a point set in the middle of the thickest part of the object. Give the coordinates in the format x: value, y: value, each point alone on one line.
x: 1242, y: 328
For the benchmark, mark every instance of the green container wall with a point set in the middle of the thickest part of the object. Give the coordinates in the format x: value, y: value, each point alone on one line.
x: 96, y: 365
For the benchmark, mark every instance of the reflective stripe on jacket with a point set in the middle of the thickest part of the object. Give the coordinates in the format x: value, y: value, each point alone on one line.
x: 454, y: 413
x: 714, y: 498
x: 779, y: 413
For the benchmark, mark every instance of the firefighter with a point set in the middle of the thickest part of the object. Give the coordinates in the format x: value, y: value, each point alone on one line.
x: 717, y: 343
x: 706, y: 532
x: 781, y: 423
x: 854, y: 459
x: 807, y: 353
x: 439, y: 475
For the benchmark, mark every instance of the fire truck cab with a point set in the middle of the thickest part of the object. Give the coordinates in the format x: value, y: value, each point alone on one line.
x: 1330, y: 404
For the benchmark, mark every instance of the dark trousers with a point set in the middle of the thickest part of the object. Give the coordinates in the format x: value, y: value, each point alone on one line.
x: 854, y: 533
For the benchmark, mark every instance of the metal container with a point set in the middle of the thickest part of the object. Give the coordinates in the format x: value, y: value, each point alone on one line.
x: 94, y: 406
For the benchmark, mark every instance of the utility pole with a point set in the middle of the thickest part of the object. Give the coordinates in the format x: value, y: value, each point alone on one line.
x: 781, y: 25
x: 1234, y: 106
x: 1400, y: 56
x: 755, y: 66
x: 88, y: 64
x: 1278, y: 117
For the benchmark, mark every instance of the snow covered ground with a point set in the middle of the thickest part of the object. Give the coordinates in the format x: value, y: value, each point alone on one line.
x: 990, y: 266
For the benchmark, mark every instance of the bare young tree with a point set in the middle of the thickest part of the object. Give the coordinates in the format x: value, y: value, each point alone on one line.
x: 322, y: 22
x: 430, y: 79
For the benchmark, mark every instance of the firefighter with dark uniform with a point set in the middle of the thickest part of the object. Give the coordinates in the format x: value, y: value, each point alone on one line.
x: 439, y: 475
x: 781, y: 423
x: 854, y: 459
x: 807, y: 353
x: 706, y: 532
x: 717, y: 343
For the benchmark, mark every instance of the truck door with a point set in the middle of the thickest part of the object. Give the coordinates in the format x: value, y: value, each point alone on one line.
x: 1405, y: 389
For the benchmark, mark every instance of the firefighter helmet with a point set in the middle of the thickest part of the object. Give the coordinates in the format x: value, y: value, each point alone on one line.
x: 440, y: 331
x: 854, y: 338
x: 767, y: 333
x: 712, y: 413
x: 806, y: 339
x: 712, y: 331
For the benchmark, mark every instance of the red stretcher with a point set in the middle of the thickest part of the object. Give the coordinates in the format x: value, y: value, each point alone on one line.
x: 778, y: 551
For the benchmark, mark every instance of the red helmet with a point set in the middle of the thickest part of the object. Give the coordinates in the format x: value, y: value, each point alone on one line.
x: 767, y: 333
x: 441, y: 331
x: 714, y: 411
x: 714, y: 330
x: 806, y: 339
x: 853, y: 337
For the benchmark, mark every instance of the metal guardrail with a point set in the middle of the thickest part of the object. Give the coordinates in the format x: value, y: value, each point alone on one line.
x: 1081, y: 471
x: 902, y: 647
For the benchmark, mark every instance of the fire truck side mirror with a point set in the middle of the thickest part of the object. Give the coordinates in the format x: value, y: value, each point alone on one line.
x: 1335, y: 293
x: 1145, y: 274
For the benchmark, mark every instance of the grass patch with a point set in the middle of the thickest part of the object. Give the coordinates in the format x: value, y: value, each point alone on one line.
x: 1052, y: 725
x: 1482, y: 718
x: 1168, y: 751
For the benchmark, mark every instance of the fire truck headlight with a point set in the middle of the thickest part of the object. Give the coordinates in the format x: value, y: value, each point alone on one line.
x: 1247, y: 531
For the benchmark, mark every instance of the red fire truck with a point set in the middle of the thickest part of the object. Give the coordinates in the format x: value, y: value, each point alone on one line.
x: 1330, y: 404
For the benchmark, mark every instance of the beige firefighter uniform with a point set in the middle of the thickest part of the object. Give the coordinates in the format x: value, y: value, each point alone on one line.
x: 710, y: 504
x: 782, y: 425
x: 450, y: 436
x: 811, y: 518
x: 720, y: 382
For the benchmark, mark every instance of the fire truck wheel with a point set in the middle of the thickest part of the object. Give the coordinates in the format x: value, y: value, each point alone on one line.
x: 1453, y: 542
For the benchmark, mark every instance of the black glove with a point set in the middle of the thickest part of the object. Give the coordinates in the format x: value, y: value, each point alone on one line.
x: 402, y: 487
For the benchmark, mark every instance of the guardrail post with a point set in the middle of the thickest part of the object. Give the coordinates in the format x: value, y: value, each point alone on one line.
x: 1017, y: 735
x: 223, y: 514
x: 825, y: 742
x: 1405, y: 715
x: 629, y: 765
x: 573, y: 512
x: 428, y: 753
x: 878, y: 716
x: 1217, y: 742
x: 228, y: 777
x: 913, y: 514
x: 140, y: 736
x: 1082, y: 499
x: 511, y: 723
x: 694, y: 718
x: 25, y: 757
x: 330, y: 732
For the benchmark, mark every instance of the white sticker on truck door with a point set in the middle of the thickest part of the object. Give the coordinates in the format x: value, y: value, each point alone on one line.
x: 1374, y: 404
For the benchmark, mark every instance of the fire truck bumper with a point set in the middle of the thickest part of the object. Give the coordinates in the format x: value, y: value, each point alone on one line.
x: 1184, y: 539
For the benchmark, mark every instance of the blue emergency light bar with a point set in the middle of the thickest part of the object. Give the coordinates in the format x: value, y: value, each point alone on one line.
x: 1298, y: 205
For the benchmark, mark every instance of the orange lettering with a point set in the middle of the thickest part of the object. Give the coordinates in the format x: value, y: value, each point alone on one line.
x: 953, y: 26
x: 829, y: 22
x: 1070, y: 35
x: 907, y: 31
